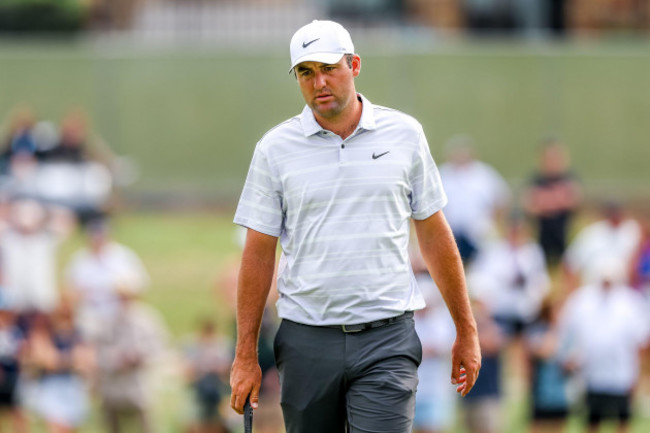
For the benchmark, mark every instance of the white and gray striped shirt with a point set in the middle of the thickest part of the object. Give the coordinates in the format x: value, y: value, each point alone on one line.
x: 342, y: 210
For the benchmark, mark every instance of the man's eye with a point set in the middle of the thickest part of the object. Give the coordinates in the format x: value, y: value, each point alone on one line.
x: 329, y: 68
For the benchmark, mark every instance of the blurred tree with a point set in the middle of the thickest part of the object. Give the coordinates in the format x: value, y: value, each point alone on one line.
x: 42, y: 16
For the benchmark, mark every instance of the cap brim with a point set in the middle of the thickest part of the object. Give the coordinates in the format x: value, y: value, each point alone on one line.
x: 327, y: 58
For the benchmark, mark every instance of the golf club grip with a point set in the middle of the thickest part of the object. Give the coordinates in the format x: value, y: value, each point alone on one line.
x: 248, y: 416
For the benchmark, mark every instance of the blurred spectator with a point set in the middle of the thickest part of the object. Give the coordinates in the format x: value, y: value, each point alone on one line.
x: 552, y: 198
x: 46, y: 136
x: 18, y: 163
x: 129, y: 345
x: 549, y: 399
x: 435, y: 401
x: 75, y: 142
x: 95, y: 274
x: 71, y: 146
x: 477, y: 195
x: 20, y: 179
x: 29, y: 248
x: 57, y: 361
x: 614, y: 236
x: 606, y: 324
x: 482, y: 407
x: 208, y: 359
x: 511, y: 277
x: 18, y: 136
x: 11, y: 344
x: 640, y: 263
x: 71, y: 167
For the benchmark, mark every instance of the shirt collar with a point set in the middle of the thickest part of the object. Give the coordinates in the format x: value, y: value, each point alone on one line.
x: 310, y: 126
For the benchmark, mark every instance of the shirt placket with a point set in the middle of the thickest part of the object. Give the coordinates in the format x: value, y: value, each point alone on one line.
x: 342, y: 145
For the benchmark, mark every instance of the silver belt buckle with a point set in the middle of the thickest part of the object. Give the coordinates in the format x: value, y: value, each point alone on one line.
x: 353, y: 330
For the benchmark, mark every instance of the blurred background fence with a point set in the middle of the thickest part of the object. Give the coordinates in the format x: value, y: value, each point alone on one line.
x: 187, y: 87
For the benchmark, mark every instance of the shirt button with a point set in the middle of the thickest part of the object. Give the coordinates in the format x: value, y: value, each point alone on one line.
x: 343, y: 146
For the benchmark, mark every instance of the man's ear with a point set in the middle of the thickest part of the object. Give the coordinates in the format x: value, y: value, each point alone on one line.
x: 356, y: 65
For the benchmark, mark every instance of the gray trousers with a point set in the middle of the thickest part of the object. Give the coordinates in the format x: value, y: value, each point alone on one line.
x: 336, y: 382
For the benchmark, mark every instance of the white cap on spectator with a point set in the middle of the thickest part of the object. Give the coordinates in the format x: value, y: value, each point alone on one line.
x: 320, y: 41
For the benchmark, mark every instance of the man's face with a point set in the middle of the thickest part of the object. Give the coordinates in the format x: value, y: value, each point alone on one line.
x: 328, y: 89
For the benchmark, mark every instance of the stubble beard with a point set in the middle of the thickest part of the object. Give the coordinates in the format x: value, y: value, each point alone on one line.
x: 335, y: 108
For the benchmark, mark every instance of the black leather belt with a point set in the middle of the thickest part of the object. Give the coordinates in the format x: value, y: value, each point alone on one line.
x: 360, y: 327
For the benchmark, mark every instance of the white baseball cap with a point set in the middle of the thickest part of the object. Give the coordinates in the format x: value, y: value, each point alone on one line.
x: 320, y: 41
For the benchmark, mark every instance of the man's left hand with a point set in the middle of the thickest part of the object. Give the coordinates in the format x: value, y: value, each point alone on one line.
x: 466, y: 362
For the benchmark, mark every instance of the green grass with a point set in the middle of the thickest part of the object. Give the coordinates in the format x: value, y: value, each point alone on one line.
x: 191, y: 117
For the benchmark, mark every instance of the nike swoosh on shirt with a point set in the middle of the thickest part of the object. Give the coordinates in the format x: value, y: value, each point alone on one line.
x: 306, y: 44
x: 380, y: 155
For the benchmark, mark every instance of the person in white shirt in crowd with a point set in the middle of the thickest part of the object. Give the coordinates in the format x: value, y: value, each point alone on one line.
x: 510, y: 275
x: 615, y: 235
x: 28, y: 248
x: 606, y: 323
x: 95, y: 273
x: 477, y: 193
x: 128, y: 350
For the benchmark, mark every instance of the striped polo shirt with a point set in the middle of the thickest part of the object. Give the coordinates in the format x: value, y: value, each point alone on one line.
x: 342, y: 211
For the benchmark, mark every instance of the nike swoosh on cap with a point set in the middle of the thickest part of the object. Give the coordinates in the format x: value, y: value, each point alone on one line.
x: 306, y: 44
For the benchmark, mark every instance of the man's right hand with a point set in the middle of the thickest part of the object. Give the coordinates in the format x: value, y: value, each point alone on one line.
x: 245, y: 381
x: 255, y: 280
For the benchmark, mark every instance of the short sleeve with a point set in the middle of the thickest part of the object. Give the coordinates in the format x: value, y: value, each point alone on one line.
x: 427, y: 193
x: 260, y: 204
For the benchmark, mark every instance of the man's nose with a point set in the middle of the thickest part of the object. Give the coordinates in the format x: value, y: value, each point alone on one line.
x: 319, y: 80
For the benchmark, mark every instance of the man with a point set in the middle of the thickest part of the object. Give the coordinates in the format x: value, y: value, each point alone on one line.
x: 338, y: 185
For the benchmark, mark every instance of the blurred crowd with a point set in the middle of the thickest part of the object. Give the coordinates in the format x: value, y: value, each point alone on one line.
x: 85, y: 341
x: 560, y: 287
x: 65, y: 165
x: 560, y: 298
